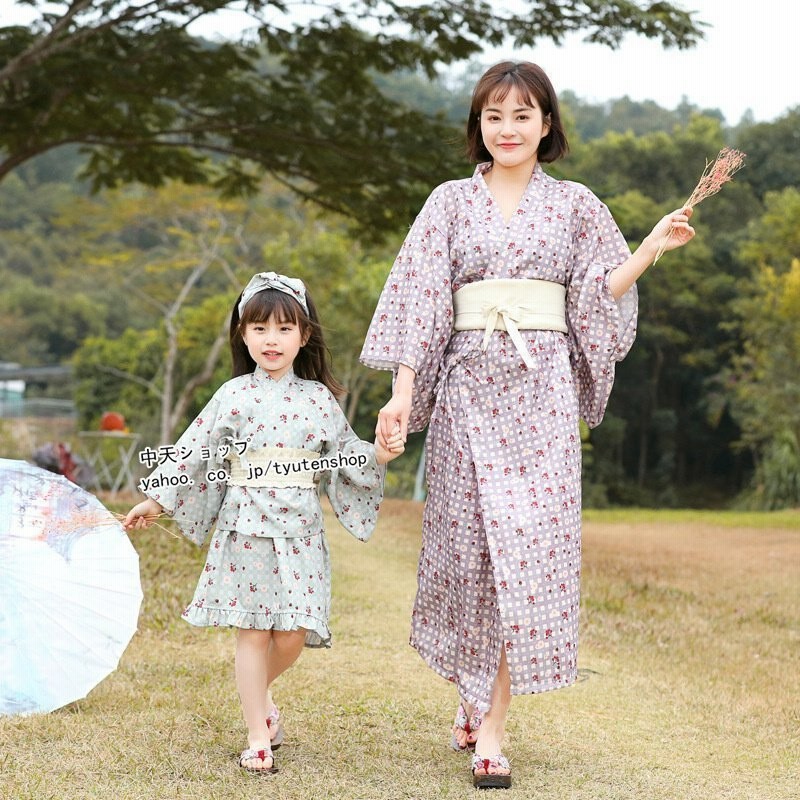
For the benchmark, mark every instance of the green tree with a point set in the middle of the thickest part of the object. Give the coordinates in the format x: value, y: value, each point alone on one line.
x: 777, y: 479
x: 664, y: 166
x: 173, y: 251
x: 766, y: 386
x: 672, y: 438
x: 41, y: 325
x: 774, y: 237
x: 299, y: 99
x: 181, y: 256
x: 772, y: 147
x: 623, y: 115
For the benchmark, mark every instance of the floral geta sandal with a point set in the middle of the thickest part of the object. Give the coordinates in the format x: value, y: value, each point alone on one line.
x: 468, y: 725
x: 250, y: 754
x: 490, y: 780
x: 274, y: 722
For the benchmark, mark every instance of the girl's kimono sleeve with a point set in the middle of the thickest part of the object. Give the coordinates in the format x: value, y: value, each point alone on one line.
x: 181, y: 484
x: 601, y: 329
x: 355, y: 487
x: 413, y: 320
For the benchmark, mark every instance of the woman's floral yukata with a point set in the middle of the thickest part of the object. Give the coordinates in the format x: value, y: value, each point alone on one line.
x: 501, y: 542
x: 268, y: 565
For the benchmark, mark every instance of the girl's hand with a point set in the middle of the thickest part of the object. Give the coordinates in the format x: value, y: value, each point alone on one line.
x: 137, y: 516
x: 671, y: 232
x: 395, y: 446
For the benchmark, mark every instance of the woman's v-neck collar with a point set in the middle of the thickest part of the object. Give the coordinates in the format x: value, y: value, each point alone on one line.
x: 532, y: 192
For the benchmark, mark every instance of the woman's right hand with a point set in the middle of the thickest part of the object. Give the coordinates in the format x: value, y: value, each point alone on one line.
x: 137, y: 517
x: 392, y: 416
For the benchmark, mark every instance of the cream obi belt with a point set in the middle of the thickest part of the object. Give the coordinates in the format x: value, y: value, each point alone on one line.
x: 276, y: 468
x: 510, y: 305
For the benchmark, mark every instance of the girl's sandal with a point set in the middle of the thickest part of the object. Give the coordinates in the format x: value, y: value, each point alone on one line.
x: 251, y: 754
x: 468, y: 725
x: 489, y: 780
x: 274, y: 722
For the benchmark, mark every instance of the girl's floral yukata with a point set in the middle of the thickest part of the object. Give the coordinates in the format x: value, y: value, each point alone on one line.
x: 268, y: 565
x: 501, y: 547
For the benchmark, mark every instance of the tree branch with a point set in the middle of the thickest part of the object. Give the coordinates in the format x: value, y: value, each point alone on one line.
x: 129, y: 376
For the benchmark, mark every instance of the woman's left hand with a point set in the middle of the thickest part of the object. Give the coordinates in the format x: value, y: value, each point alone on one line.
x: 671, y: 231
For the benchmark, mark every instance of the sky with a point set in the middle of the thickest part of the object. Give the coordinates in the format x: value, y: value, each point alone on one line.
x: 743, y: 63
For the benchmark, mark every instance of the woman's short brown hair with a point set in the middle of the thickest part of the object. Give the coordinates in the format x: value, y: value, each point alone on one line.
x: 533, y: 86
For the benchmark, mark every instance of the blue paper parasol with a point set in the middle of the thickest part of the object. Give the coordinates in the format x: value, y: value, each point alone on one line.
x: 69, y: 590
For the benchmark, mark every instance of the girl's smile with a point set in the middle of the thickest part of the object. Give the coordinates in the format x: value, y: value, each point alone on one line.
x: 274, y: 345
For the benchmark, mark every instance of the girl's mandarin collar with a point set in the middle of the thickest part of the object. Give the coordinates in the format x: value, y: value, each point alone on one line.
x: 264, y: 376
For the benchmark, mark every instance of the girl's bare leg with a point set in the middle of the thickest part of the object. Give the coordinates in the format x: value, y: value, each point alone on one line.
x: 492, y: 730
x: 284, y: 649
x: 252, y: 648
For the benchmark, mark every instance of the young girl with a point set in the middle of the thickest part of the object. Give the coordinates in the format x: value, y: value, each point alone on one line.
x: 249, y: 465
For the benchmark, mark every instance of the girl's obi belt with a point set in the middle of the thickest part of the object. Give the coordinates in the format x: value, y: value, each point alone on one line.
x: 277, y: 468
x: 510, y: 305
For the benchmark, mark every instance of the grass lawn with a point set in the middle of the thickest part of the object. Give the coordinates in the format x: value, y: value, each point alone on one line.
x: 690, y: 682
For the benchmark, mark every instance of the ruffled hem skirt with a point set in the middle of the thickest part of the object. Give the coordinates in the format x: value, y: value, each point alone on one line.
x: 262, y: 583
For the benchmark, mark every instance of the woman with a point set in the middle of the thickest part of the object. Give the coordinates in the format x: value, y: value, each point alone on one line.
x: 503, y: 316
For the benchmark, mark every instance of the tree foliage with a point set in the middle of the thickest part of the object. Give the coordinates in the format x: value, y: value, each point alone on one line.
x: 772, y: 148
x: 703, y: 404
x: 178, y: 257
x: 765, y: 383
x: 298, y: 99
x: 766, y: 378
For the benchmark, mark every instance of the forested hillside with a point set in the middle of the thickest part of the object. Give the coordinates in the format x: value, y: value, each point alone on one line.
x: 704, y: 409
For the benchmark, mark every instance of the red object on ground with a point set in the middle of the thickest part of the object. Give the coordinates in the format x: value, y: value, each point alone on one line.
x: 112, y: 421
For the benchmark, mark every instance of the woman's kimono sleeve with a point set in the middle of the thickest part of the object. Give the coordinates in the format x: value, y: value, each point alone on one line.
x: 413, y: 320
x: 601, y: 329
x: 181, y: 485
x: 355, y: 487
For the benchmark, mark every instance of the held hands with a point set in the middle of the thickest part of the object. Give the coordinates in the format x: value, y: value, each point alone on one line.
x: 395, y: 446
x: 137, y: 516
x: 397, y: 411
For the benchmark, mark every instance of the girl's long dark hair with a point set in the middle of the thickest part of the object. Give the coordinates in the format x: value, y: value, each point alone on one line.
x: 312, y: 362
